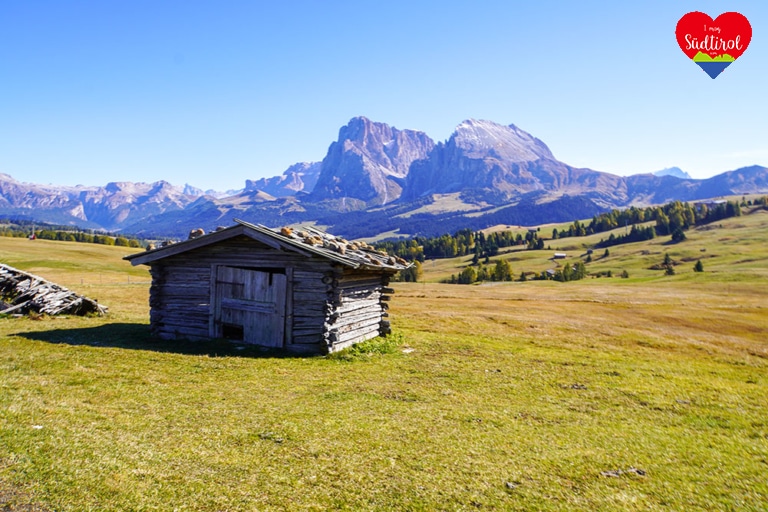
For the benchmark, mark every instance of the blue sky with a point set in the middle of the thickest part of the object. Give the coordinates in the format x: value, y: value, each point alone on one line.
x: 214, y: 93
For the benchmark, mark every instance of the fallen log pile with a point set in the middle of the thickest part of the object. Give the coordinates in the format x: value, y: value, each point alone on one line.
x: 22, y: 293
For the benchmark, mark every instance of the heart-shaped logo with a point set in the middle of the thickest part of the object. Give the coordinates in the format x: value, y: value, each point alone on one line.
x: 713, y: 44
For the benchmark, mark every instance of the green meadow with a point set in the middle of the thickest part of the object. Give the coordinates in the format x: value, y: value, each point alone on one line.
x: 642, y: 393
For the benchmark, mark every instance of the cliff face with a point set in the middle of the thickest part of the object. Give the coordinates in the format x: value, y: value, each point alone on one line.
x: 369, y: 162
x: 496, y: 163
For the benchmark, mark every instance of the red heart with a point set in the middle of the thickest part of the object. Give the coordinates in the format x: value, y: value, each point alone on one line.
x: 728, y: 33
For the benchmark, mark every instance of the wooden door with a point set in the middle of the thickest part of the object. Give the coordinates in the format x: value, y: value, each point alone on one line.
x: 249, y: 306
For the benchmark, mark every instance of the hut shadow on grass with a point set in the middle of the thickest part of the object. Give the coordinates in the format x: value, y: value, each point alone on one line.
x: 137, y: 337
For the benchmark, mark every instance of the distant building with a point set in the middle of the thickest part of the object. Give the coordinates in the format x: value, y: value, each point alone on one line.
x: 560, y: 256
x: 709, y: 203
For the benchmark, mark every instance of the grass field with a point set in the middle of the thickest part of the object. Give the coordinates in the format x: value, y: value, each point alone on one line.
x: 647, y: 393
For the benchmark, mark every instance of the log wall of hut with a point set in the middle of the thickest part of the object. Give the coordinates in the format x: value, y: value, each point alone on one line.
x: 357, y: 308
x: 179, y: 300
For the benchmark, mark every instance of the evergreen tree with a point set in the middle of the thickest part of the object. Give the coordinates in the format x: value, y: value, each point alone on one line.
x: 468, y: 276
x: 502, y: 271
x: 579, y: 271
x: 698, y: 267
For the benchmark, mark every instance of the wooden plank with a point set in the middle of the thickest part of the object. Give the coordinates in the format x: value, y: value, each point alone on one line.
x: 357, y: 316
x: 340, y: 345
x: 361, y: 276
x: 358, y: 333
x: 288, y: 328
x: 364, y: 288
x: 250, y: 306
x: 310, y: 339
x: 351, y: 302
x: 355, y: 305
x: 359, y: 325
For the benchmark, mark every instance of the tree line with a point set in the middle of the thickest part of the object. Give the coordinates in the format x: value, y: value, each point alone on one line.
x: 461, y: 243
x: 670, y: 218
x: 24, y: 229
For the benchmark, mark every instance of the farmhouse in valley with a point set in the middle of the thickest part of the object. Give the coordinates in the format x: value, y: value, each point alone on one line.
x: 301, y: 290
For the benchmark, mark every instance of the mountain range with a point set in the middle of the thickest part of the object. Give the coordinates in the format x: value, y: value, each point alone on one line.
x: 378, y: 179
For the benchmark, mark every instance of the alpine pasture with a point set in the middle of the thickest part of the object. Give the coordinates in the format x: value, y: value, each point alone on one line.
x: 639, y: 393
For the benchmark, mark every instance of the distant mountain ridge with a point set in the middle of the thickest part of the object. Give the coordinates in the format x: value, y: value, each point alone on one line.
x: 376, y: 179
x: 300, y: 177
x: 107, y: 207
x: 674, y: 171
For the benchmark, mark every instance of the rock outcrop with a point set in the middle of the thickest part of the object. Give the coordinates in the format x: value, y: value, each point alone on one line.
x: 369, y: 163
x: 297, y: 178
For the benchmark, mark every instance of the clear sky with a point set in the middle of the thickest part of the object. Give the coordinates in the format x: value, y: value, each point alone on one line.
x: 212, y: 93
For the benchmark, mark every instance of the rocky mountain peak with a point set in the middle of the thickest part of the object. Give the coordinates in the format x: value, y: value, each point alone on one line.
x: 478, y: 138
x: 492, y: 163
x: 369, y: 162
x: 359, y: 128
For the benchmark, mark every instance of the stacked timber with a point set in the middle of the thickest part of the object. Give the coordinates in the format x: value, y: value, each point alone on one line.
x: 23, y: 293
x: 356, y: 309
x: 307, y: 305
x: 179, y: 299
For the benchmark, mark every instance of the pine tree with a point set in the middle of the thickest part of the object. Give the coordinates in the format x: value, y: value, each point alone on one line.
x: 698, y: 267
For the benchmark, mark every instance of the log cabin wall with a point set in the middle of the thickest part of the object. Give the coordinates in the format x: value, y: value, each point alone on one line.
x: 181, y: 291
x: 357, y: 308
x: 179, y: 300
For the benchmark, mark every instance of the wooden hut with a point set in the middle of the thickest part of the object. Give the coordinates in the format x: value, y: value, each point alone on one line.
x: 301, y: 290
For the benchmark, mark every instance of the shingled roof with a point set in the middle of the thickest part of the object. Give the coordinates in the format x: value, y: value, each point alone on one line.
x: 307, y: 241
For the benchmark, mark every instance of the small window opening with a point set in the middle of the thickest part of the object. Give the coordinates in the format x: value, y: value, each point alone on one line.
x: 232, y: 332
